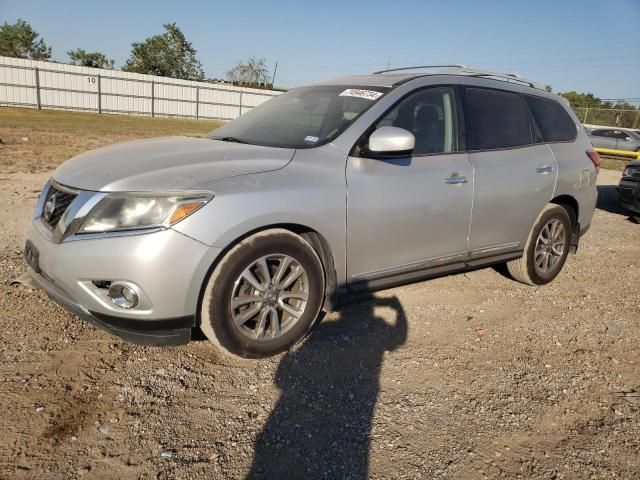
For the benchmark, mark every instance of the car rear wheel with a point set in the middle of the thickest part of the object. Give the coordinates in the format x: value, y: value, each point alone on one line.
x: 546, y: 249
x: 264, y: 295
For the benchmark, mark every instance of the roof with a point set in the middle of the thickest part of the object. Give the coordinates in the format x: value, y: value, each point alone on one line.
x: 392, y: 77
x: 370, y: 80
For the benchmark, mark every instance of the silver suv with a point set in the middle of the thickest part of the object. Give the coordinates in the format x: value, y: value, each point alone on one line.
x: 614, y: 139
x: 359, y: 183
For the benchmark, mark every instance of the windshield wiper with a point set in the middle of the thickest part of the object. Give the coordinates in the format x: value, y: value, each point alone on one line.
x: 231, y: 139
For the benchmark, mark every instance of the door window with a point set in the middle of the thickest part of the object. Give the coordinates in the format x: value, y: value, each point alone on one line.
x: 430, y: 115
x: 497, y: 119
x: 602, y: 133
x: 621, y: 135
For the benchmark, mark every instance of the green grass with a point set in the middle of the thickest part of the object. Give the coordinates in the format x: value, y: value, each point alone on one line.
x: 77, y: 122
x: 39, y: 140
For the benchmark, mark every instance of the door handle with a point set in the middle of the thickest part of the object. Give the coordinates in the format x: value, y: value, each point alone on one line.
x: 455, y: 180
x: 544, y: 169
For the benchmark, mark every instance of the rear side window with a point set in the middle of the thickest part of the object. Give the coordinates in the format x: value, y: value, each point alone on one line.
x: 497, y: 119
x: 554, y: 122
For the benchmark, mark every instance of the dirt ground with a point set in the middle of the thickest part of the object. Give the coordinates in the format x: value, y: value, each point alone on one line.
x: 468, y: 376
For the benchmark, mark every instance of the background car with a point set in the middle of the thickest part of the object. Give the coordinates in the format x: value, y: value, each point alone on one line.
x: 629, y: 188
x: 614, y: 138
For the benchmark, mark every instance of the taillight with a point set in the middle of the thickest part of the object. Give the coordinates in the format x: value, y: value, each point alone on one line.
x: 594, y: 157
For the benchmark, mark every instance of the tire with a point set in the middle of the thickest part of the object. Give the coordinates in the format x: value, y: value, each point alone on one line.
x: 246, y: 280
x: 528, y: 269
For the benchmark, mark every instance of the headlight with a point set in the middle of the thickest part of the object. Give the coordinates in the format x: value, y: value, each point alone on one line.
x: 632, y: 171
x: 137, y: 211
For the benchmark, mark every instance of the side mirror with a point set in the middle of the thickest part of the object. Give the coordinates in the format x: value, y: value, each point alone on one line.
x: 391, y: 141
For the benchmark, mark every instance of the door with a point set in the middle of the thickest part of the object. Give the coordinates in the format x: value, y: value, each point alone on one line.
x: 514, y: 178
x: 603, y: 139
x: 623, y: 140
x: 406, y: 215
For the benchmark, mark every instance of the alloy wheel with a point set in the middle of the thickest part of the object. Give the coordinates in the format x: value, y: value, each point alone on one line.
x: 269, y: 297
x: 550, y: 246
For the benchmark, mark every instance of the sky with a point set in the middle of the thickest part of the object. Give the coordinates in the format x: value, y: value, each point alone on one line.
x: 585, y: 45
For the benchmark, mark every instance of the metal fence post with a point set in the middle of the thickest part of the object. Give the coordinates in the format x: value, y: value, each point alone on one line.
x: 152, y: 98
x: 586, y: 112
x: 637, y: 122
x: 37, y: 78
x: 197, y: 102
x: 99, y: 96
x: 240, y: 105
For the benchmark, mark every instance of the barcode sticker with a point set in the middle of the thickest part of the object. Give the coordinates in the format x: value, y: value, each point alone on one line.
x: 356, y: 92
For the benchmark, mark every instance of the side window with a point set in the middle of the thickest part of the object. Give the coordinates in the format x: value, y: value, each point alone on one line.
x: 554, y: 122
x: 498, y: 119
x: 430, y: 115
x: 604, y: 133
x: 620, y: 135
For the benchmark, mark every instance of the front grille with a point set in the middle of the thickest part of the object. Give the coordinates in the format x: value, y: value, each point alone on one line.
x: 55, y: 204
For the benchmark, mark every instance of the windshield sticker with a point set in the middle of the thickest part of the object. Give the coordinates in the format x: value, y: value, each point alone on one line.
x: 311, y: 139
x: 358, y: 93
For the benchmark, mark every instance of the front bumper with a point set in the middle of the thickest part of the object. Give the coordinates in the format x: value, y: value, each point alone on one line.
x: 629, y: 195
x: 174, y: 331
x: 167, y: 266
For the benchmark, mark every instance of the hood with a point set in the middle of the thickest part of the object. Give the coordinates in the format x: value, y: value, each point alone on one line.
x: 167, y: 164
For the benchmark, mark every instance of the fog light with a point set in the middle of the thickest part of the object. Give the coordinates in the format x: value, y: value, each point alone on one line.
x: 123, y: 295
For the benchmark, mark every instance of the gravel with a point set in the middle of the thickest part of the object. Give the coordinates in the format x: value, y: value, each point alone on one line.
x: 467, y: 376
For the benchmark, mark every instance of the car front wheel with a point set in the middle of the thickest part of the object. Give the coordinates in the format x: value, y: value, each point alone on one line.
x: 264, y: 295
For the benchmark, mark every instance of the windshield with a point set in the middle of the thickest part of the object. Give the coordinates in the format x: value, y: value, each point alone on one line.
x: 301, y: 118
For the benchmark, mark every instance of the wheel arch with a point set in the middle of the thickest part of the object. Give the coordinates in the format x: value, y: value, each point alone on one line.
x: 317, y: 241
x: 570, y: 204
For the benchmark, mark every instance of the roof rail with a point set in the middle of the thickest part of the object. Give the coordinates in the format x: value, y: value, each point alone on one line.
x: 509, y: 77
x: 418, y: 68
x: 458, y: 69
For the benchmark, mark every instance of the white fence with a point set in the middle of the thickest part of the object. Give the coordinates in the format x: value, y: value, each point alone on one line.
x: 35, y: 84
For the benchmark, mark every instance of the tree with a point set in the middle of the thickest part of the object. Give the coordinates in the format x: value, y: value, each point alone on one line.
x: 166, y: 55
x: 548, y: 88
x: 253, y: 70
x: 90, y: 59
x: 582, y: 100
x: 21, y: 41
